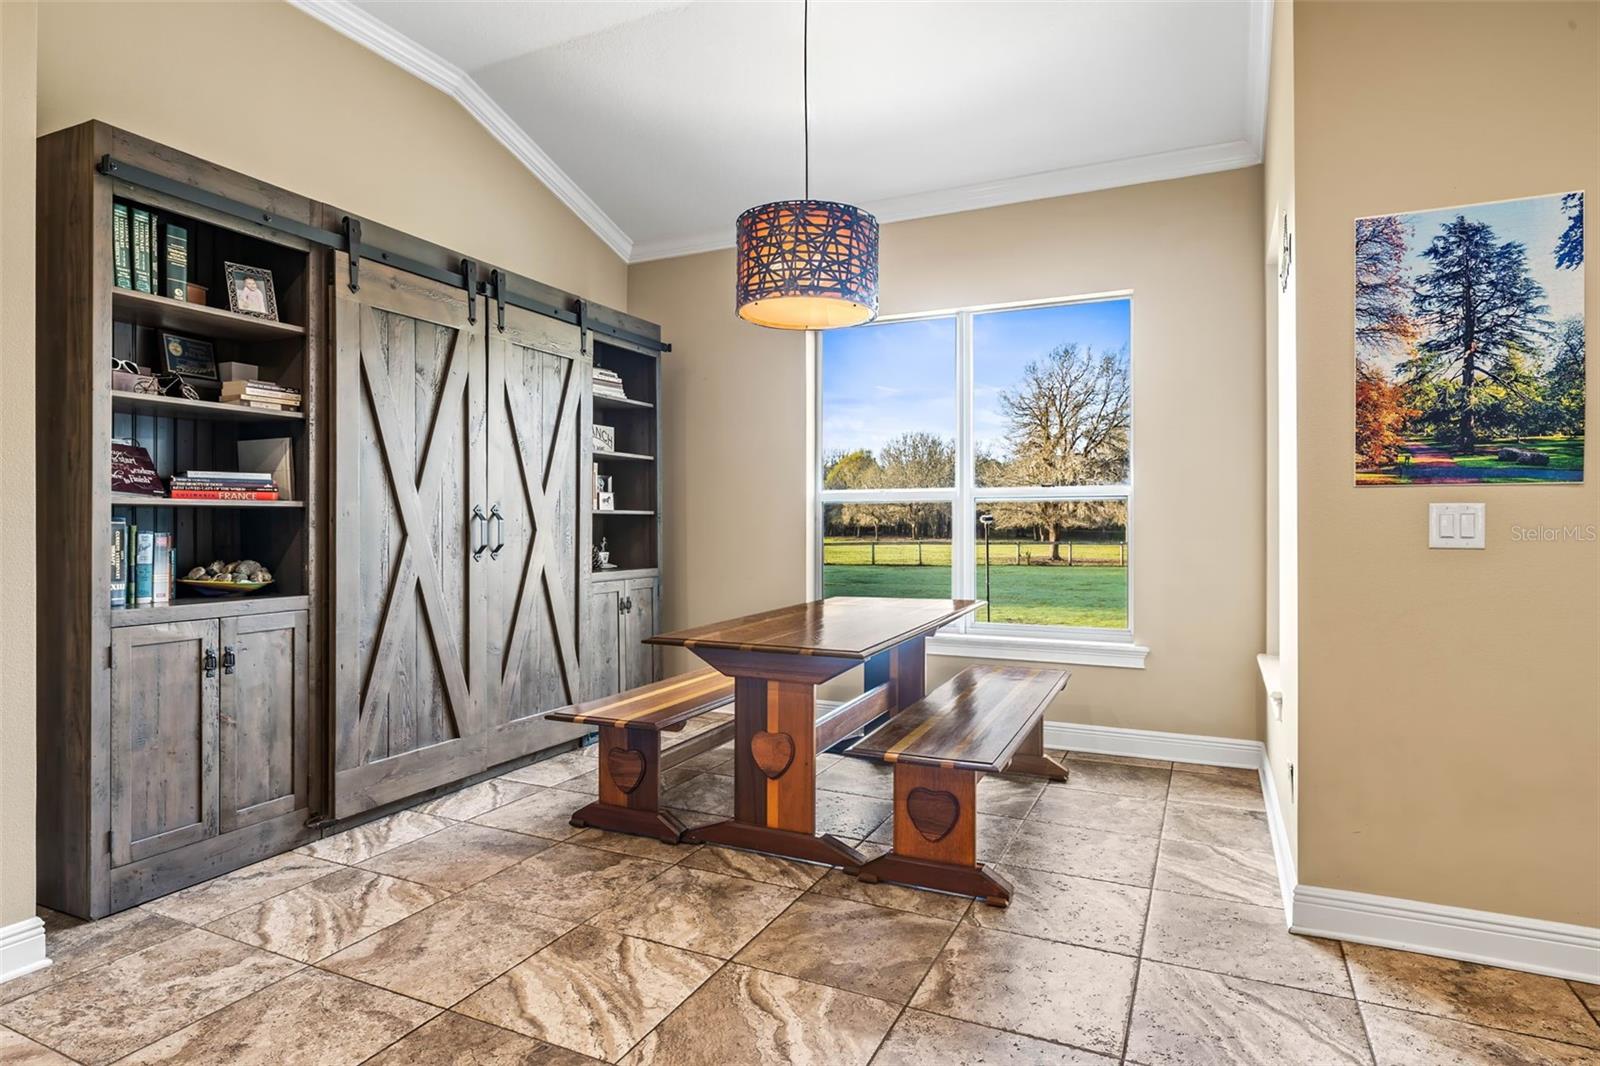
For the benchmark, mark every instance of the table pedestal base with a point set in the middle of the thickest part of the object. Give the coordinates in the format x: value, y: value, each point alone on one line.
x: 976, y: 880
x: 826, y: 848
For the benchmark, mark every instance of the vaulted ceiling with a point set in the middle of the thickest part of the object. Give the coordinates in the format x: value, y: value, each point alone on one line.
x: 658, y: 122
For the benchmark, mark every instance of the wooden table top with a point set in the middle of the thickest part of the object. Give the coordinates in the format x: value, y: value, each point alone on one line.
x: 843, y: 627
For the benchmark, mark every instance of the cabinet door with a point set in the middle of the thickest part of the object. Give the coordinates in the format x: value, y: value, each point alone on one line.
x: 408, y: 590
x: 601, y: 640
x: 537, y: 456
x: 163, y: 738
x: 263, y: 739
x: 638, y: 622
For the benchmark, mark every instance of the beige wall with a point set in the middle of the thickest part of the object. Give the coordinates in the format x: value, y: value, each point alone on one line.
x: 1281, y: 725
x: 17, y: 100
x: 736, y: 424
x: 1450, y: 701
x: 263, y: 89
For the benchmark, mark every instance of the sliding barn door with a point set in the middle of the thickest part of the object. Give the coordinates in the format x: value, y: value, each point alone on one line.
x: 408, y: 594
x: 539, y: 529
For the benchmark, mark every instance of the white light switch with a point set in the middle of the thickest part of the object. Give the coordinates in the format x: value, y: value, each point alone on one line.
x: 1455, y: 525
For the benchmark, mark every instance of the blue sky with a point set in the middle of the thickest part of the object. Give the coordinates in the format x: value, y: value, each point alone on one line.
x: 896, y: 377
x: 1535, y: 221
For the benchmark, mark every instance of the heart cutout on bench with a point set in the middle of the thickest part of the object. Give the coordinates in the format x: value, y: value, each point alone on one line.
x: 934, y: 813
x: 773, y: 753
x: 625, y: 767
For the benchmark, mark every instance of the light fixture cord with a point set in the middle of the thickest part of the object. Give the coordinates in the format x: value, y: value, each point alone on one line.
x: 805, y: 85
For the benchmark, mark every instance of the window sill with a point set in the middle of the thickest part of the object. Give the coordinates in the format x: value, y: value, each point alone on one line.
x: 1125, y: 655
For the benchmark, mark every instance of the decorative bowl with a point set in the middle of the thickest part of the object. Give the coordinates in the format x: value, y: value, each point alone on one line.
x: 221, y: 587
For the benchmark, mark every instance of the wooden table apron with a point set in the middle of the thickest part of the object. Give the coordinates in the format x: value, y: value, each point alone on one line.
x: 778, y: 736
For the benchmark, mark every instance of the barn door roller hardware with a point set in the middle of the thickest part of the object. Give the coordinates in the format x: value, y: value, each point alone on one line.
x: 352, y: 246
x: 497, y: 292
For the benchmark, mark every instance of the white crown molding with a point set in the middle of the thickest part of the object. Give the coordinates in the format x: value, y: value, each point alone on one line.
x: 1507, y: 940
x: 1258, y: 74
x: 22, y: 948
x: 408, y: 55
x: 1162, y: 166
x: 1150, y: 744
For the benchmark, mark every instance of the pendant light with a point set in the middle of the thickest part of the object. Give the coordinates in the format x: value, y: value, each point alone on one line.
x: 806, y: 264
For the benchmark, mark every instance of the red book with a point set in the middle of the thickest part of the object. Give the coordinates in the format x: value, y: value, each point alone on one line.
x: 221, y: 494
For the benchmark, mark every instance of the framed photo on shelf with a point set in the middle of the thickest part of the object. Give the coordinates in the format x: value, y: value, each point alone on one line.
x: 604, y: 437
x: 189, y: 357
x: 250, y: 291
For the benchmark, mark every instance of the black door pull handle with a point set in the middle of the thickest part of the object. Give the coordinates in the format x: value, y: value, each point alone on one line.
x: 229, y: 660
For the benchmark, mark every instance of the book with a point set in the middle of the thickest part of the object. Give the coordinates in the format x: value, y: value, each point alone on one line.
x: 144, y: 559
x: 219, y: 486
x: 281, y: 399
x: 119, y: 562
x: 273, y: 456
x: 223, y: 493
x: 262, y: 390
x: 161, y: 569
x: 140, y: 246
x: 227, y: 475
x: 155, y: 253
x: 132, y: 469
x: 261, y: 405
x: 175, y: 262
x: 121, y: 255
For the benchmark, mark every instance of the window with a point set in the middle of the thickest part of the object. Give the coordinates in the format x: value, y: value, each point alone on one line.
x: 983, y: 453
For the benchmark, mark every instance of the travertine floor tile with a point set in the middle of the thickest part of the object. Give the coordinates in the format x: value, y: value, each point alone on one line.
x: 1241, y: 940
x: 309, y: 1019
x: 18, y: 1050
x: 859, y: 777
x: 1464, y: 991
x: 1072, y: 910
x: 718, y: 760
x: 1011, y: 795
x: 447, y: 952
x: 752, y: 1016
x: 1185, y: 1016
x: 1217, y: 789
x: 474, y: 800
x: 704, y: 794
x: 1052, y: 991
x: 1119, y: 778
x: 1125, y: 760
x: 75, y: 945
x: 1590, y: 994
x: 1221, y: 873
x: 589, y: 784
x: 860, y: 948
x: 106, y: 1012
x: 628, y: 844
x: 456, y: 1040
x: 458, y: 857
x: 593, y: 991
x: 1401, y: 1038
x: 210, y: 900
x: 1106, y: 811
x: 923, y: 1039
x: 786, y: 873
x: 714, y: 914
x: 374, y: 838
x: 555, y: 770
x: 547, y: 813
x: 569, y: 882
x: 315, y: 920
x: 1206, y: 823
x: 1067, y: 849
x: 901, y: 898
x: 851, y: 817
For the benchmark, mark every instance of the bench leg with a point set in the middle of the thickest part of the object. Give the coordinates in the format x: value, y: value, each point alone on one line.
x: 936, y: 836
x: 630, y: 787
x: 1031, y: 759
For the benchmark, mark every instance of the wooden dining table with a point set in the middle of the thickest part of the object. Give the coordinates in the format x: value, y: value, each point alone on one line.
x: 777, y: 659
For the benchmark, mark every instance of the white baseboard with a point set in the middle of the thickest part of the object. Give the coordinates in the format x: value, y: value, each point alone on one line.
x: 1149, y: 744
x: 1507, y: 940
x: 1281, y: 851
x: 22, y: 948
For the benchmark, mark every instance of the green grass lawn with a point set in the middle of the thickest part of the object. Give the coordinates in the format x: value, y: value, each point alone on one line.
x: 1566, y: 453
x: 851, y: 551
x: 1090, y: 596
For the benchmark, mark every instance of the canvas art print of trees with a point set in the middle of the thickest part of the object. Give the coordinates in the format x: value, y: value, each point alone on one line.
x: 1470, y: 344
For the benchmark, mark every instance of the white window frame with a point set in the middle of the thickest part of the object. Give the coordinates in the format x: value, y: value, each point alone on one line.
x: 970, y: 638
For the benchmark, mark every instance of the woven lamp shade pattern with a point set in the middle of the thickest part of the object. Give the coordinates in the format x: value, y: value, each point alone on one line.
x: 807, y: 264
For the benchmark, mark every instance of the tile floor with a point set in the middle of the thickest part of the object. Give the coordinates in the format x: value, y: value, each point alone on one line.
x: 482, y: 928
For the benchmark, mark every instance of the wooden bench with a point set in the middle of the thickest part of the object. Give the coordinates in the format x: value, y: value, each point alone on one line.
x: 630, y: 755
x: 986, y: 719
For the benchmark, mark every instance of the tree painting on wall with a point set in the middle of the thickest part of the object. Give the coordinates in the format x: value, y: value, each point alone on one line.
x: 1470, y: 344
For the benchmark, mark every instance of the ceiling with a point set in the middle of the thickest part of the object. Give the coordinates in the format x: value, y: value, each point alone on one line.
x: 658, y: 122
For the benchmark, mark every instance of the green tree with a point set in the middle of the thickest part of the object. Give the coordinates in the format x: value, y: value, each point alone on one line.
x: 1569, y: 246
x: 1564, y: 380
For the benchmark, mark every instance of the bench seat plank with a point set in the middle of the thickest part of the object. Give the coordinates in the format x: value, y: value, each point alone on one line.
x: 975, y: 721
x: 659, y: 705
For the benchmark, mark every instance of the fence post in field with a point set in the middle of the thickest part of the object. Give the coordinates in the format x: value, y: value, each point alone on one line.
x: 1124, y: 553
x: 1019, y: 552
x: 874, y: 548
x: 1069, y: 553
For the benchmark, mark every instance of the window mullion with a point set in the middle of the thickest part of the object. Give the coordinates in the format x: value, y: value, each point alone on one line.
x: 962, y: 551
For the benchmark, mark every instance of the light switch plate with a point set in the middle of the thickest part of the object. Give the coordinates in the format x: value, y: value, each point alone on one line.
x: 1455, y: 525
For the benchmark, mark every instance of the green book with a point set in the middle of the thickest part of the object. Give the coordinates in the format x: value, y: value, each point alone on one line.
x: 122, y: 258
x: 119, y: 562
x: 175, y: 262
x: 141, y: 249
